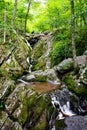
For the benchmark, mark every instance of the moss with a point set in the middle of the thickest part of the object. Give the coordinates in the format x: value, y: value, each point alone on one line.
x: 70, y: 80
x: 60, y: 125
x: 41, y: 63
x: 24, y: 113
x: 39, y: 49
x: 42, y: 124
x: 27, y: 104
x: 41, y: 78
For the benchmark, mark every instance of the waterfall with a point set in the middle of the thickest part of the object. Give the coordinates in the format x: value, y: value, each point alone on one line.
x: 61, y: 101
x: 30, y: 65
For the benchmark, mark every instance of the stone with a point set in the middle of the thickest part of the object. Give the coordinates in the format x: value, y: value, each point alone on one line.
x: 67, y: 64
x: 76, y: 123
x: 83, y: 76
x: 85, y: 53
x: 47, y: 75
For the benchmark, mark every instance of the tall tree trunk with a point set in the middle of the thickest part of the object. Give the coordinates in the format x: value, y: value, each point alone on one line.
x: 14, y: 13
x: 25, y: 24
x: 5, y: 18
x: 73, y: 34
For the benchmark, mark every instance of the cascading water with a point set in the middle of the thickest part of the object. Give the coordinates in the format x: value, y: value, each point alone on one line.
x: 61, y: 103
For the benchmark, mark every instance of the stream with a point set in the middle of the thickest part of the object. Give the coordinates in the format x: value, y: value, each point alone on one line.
x: 65, y: 103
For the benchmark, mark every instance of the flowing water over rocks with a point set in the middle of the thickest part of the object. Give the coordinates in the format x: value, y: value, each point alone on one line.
x: 38, y: 99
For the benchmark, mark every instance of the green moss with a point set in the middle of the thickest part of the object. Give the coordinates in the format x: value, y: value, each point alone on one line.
x: 24, y: 113
x: 42, y: 124
x: 70, y: 80
x: 41, y: 63
x: 59, y: 124
x: 27, y: 104
x: 41, y: 78
x: 39, y: 49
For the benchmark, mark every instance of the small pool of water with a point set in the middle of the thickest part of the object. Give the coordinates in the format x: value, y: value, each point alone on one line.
x: 44, y: 86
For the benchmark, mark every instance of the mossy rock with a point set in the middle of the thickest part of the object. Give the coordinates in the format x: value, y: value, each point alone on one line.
x: 60, y: 124
x: 26, y: 105
x: 65, y: 66
x: 41, y: 78
x: 70, y: 80
x: 20, y: 54
x: 11, y: 68
x: 41, y: 64
x: 38, y: 113
x: 39, y: 49
x: 42, y: 124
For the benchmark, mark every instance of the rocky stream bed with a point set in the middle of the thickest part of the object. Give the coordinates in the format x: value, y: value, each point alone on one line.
x: 34, y: 95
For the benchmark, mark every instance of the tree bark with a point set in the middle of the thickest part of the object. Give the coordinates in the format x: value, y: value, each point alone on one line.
x: 73, y: 34
x: 5, y: 19
x: 25, y: 24
x: 14, y: 13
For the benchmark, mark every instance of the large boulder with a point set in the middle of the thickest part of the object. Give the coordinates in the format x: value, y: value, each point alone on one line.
x: 76, y: 123
x: 40, y: 53
x: 27, y: 109
x: 42, y: 76
x: 13, y: 59
x: 67, y: 64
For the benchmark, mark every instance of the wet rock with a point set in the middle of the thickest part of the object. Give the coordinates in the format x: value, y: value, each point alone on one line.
x: 76, y: 123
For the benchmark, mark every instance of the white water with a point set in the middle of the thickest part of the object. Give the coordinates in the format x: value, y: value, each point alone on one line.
x: 63, y: 110
x: 30, y: 65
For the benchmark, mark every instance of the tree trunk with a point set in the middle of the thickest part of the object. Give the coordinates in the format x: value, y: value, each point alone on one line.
x: 25, y: 24
x: 5, y: 19
x: 14, y: 13
x: 73, y: 34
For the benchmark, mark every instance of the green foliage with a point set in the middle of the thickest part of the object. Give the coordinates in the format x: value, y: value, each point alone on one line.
x: 61, y: 48
x: 70, y: 80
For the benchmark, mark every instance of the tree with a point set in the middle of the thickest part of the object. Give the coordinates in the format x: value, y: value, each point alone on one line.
x: 5, y: 19
x: 73, y: 34
x: 26, y: 17
x: 14, y: 13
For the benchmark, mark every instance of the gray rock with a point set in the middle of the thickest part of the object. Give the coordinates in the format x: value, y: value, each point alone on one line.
x: 67, y: 64
x: 47, y: 75
x: 85, y: 53
x: 76, y: 123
